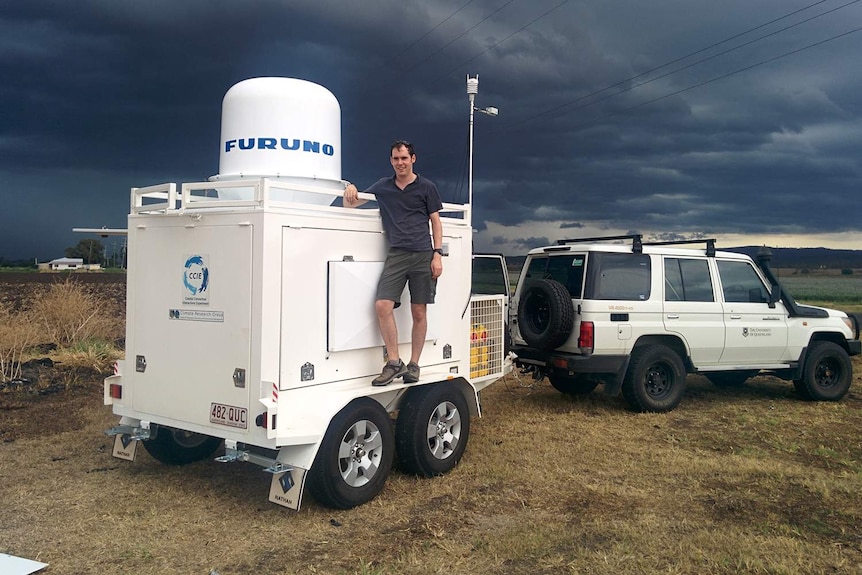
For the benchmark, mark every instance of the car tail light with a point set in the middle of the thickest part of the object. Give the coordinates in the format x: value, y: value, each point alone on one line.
x: 116, y: 391
x: 586, y: 340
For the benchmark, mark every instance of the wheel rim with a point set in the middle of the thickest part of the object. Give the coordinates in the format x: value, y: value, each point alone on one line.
x: 444, y: 430
x: 827, y: 373
x: 359, y: 453
x: 538, y: 313
x: 658, y: 380
x: 188, y: 439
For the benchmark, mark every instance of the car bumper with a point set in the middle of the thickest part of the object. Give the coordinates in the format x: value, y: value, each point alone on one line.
x: 570, y: 364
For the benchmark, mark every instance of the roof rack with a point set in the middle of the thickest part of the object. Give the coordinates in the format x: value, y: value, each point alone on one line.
x: 710, y: 244
x: 637, y: 243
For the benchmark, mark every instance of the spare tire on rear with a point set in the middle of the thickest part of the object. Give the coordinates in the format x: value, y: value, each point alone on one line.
x: 546, y: 314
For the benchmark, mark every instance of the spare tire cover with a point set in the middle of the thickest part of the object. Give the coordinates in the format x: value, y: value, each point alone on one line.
x: 546, y: 314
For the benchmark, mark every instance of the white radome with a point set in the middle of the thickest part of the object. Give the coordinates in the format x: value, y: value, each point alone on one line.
x: 284, y: 129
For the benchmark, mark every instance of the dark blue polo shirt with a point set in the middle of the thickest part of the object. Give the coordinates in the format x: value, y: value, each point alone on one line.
x: 405, y: 212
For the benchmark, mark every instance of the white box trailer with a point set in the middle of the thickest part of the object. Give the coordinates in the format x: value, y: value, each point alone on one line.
x: 251, y: 322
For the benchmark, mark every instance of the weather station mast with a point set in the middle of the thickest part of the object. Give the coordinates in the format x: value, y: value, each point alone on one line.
x: 472, y: 91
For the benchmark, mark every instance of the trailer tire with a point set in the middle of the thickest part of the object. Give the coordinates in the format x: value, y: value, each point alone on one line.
x: 546, y: 314
x: 432, y: 429
x: 827, y: 373
x: 355, y: 456
x: 178, y: 447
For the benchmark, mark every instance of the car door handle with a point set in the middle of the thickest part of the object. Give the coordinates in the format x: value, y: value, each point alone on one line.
x: 672, y: 316
x: 735, y: 316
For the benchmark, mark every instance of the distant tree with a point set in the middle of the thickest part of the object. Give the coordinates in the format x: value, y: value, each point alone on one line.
x: 91, y: 251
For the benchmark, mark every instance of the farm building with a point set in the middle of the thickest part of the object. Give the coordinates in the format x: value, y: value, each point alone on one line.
x: 69, y: 264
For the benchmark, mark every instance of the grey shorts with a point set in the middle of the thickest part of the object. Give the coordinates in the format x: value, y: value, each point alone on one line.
x: 411, y: 268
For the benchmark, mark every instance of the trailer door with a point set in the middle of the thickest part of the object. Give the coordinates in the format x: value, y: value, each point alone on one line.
x: 190, y: 308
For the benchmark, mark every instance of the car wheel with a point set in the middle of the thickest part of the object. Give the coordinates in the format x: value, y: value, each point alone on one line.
x: 655, y: 379
x: 432, y: 429
x: 827, y: 373
x: 573, y: 384
x: 546, y: 314
x: 355, y: 456
x: 730, y: 378
x: 178, y: 447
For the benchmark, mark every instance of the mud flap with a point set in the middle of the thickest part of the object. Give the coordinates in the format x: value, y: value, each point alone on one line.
x: 287, y: 487
x: 125, y: 447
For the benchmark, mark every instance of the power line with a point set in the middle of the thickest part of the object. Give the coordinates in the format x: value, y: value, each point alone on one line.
x: 666, y: 64
x: 428, y: 33
x: 446, y: 45
x: 723, y: 76
x: 495, y: 44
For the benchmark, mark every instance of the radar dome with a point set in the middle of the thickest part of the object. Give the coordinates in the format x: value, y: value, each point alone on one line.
x: 281, y: 128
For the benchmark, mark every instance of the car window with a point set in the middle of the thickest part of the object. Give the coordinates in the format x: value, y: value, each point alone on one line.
x: 687, y: 279
x: 740, y: 283
x: 621, y: 276
x: 488, y: 276
x: 568, y: 269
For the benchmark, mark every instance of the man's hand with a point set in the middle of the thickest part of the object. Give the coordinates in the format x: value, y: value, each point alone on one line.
x: 351, y: 196
x: 436, y: 266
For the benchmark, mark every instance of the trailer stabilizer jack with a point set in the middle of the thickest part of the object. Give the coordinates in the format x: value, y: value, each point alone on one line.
x: 233, y: 452
x: 135, y: 433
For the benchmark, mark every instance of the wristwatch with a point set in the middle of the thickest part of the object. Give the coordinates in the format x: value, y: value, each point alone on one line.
x: 438, y: 251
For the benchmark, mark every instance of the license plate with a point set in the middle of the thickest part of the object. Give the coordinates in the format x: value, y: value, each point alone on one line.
x: 229, y: 415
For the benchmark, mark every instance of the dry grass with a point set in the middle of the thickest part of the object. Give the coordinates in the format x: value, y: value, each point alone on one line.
x: 69, y: 315
x: 17, y: 335
x: 750, y: 480
x: 79, y: 325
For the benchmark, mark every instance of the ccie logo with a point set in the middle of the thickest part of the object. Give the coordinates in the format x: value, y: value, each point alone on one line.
x: 279, y: 144
x: 196, y: 279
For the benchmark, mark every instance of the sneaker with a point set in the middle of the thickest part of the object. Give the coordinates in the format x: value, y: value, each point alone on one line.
x: 412, y: 375
x: 390, y: 372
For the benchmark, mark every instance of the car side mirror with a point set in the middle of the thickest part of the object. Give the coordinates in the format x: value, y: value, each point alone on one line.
x: 773, y: 297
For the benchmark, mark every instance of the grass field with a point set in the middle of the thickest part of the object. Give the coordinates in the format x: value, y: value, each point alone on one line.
x: 741, y: 480
x: 832, y: 290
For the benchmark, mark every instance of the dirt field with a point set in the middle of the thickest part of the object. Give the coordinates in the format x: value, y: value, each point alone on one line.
x: 747, y: 480
x: 17, y: 288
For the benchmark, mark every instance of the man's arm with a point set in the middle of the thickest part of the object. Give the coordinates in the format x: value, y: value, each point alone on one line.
x: 351, y: 197
x: 437, y: 242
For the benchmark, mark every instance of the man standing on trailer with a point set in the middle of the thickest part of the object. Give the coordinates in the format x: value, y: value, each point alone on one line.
x: 407, y: 203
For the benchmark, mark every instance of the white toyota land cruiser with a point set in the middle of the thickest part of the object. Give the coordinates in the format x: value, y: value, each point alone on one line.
x: 640, y: 316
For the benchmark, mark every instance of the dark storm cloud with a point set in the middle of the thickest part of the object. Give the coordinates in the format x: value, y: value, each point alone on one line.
x: 593, y: 132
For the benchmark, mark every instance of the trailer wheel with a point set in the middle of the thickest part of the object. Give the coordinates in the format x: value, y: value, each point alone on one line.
x: 355, y: 456
x: 546, y: 314
x: 655, y: 379
x: 827, y: 373
x: 432, y: 429
x: 179, y: 447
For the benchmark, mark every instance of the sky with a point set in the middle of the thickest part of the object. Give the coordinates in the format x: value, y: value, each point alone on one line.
x: 675, y: 119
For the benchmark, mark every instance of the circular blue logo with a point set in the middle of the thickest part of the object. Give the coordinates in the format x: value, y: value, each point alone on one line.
x: 196, y: 276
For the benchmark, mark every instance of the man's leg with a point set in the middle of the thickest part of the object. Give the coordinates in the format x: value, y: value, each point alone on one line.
x: 420, y: 328
x: 394, y: 368
x: 388, y: 329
